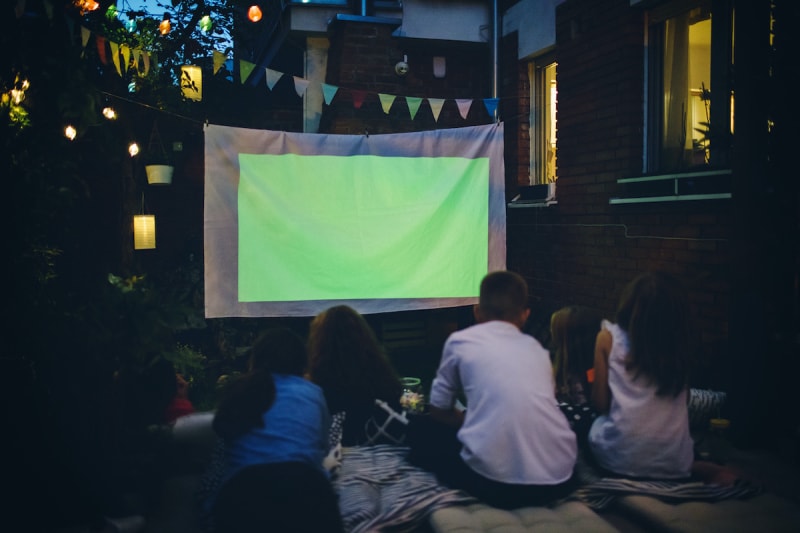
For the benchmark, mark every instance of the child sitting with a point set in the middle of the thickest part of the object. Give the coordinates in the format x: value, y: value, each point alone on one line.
x: 641, y: 372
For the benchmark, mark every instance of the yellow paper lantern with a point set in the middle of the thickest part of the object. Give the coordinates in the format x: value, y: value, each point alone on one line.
x: 192, y: 82
x: 144, y: 232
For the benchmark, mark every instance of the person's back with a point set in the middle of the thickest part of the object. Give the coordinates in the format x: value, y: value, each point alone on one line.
x: 514, y: 446
x: 513, y: 430
x: 640, y: 385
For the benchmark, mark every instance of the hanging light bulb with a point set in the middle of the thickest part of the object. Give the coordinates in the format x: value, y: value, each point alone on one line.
x: 133, y: 149
x: 254, y: 13
x: 130, y: 24
x: 109, y: 113
x: 205, y: 23
x: 165, y: 25
x: 112, y: 12
x: 70, y: 132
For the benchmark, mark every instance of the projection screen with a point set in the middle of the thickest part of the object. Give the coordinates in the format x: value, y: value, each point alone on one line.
x: 295, y: 223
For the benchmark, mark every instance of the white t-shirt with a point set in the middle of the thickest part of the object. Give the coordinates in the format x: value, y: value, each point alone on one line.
x: 513, y: 431
x: 643, y: 435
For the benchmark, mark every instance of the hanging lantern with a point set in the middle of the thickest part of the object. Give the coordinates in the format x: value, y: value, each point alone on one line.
x: 192, y: 82
x: 254, y: 13
x: 205, y: 23
x: 144, y: 232
x: 165, y: 26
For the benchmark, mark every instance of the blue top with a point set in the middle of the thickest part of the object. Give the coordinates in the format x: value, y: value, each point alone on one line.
x: 295, y: 429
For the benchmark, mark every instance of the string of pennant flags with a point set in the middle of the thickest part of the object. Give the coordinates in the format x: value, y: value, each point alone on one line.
x: 123, y: 56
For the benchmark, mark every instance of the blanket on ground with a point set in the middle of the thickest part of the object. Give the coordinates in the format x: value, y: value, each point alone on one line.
x: 379, y: 490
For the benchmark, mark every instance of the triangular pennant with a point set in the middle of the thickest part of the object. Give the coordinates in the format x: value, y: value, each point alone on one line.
x: 272, y: 77
x: 219, y: 60
x: 85, y: 34
x: 436, y: 107
x: 463, y: 106
x: 144, y: 62
x: 115, y: 55
x: 300, y: 86
x: 358, y: 97
x: 101, y: 49
x: 386, y: 101
x: 245, y: 68
x: 126, y: 55
x: 413, y: 105
x: 491, y: 105
x: 328, y: 92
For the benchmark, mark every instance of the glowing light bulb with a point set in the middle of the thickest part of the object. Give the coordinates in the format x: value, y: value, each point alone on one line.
x: 133, y: 149
x: 130, y: 25
x: 109, y: 113
x: 70, y: 132
x: 165, y: 26
x: 112, y: 12
x: 205, y: 23
x: 254, y: 13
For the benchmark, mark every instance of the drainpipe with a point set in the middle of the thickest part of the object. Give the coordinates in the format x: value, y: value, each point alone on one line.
x: 495, y: 51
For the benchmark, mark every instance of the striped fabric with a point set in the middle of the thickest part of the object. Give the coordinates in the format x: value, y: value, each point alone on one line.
x: 379, y: 490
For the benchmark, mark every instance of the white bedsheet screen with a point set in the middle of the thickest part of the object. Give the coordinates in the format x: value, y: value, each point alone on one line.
x: 295, y: 223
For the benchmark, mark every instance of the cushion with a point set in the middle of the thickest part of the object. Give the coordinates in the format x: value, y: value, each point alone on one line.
x: 479, y: 517
x: 766, y: 512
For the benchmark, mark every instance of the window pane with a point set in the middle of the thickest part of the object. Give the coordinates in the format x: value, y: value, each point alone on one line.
x: 544, y: 98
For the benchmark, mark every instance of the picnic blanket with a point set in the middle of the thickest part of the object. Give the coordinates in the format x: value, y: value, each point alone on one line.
x: 379, y: 490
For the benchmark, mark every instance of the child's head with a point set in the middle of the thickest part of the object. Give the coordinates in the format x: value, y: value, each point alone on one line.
x: 503, y: 296
x: 573, y: 330
x: 279, y: 351
x: 653, y: 310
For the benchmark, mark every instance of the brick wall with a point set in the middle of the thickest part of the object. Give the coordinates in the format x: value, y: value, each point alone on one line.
x: 583, y: 250
x: 362, y: 57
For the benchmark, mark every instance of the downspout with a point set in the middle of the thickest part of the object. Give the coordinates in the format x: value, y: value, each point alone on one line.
x: 495, y: 51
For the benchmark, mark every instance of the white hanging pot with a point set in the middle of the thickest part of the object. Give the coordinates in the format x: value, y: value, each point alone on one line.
x: 159, y: 174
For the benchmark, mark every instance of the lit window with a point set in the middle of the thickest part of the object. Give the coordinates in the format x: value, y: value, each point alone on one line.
x: 543, y: 122
x: 690, y: 96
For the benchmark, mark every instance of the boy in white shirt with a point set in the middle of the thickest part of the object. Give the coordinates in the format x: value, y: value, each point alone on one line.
x: 512, y: 446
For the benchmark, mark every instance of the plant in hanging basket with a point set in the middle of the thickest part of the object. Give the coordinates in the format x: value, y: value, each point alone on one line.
x: 158, y: 165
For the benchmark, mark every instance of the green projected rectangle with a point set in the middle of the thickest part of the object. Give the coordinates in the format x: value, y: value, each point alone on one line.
x: 335, y: 227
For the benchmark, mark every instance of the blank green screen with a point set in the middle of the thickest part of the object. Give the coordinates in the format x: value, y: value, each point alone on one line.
x: 335, y: 227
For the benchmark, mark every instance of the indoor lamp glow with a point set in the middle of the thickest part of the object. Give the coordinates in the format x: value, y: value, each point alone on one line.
x: 144, y: 232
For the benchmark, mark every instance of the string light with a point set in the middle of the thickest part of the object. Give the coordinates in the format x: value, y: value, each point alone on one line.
x: 112, y: 12
x: 86, y: 5
x: 109, y: 113
x: 254, y: 13
x: 165, y: 25
x: 130, y: 24
x: 70, y: 132
x: 133, y: 149
x: 205, y: 23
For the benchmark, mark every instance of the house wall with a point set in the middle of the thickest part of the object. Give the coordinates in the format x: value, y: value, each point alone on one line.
x: 583, y: 250
x: 362, y: 56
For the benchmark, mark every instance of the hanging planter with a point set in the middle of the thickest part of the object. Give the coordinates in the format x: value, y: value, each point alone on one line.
x: 159, y: 167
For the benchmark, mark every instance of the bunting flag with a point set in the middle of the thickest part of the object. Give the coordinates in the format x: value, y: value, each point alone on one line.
x: 115, y: 56
x: 358, y: 97
x: 436, y: 107
x: 386, y: 101
x: 126, y: 55
x: 141, y: 61
x: 272, y: 77
x: 491, y: 105
x: 463, y: 106
x: 328, y: 92
x: 219, y: 60
x: 245, y: 68
x: 101, y: 49
x: 413, y: 105
x: 85, y: 34
x: 300, y: 85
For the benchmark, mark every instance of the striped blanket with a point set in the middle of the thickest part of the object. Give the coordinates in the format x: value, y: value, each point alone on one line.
x: 379, y: 490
